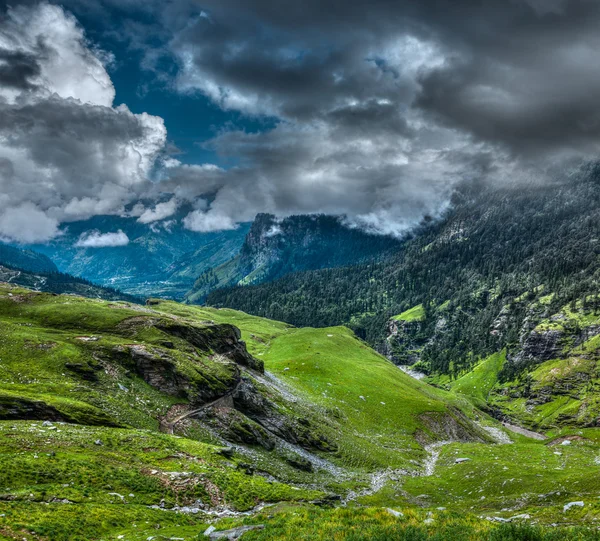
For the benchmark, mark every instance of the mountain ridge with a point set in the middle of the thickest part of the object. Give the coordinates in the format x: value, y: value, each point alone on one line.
x: 275, y: 247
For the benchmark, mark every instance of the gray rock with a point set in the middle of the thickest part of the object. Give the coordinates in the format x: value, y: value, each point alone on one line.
x: 572, y: 504
x: 394, y: 512
x: 234, y: 533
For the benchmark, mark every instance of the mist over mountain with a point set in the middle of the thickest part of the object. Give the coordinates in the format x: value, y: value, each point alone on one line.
x: 275, y: 247
x: 160, y: 258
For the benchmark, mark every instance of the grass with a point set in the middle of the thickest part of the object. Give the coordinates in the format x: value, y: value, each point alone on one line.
x: 306, y: 523
x: 112, y: 476
x: 479, y: 382
x: 374, y: 407
x: 416, y: 313
x: 367, y: 416
x: 506, y: 480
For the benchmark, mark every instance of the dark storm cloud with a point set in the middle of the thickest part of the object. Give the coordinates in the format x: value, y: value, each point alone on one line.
x: 387, y: 104
x: 17, y: 69
x: 523, y: 73
x: 525, y: 76
x: 380, y: 106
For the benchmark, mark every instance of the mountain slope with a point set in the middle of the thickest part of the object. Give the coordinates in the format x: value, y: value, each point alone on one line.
x: 124, y: 365
x: 26, y: 260
x: 161, y: 258
x: 162, y: 418
x: 276, y: 247
x: 57, y: 282
x: 494, y: 245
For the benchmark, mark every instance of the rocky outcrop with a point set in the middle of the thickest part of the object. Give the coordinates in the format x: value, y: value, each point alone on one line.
x: 223, y: 339
x: 13, y: 408
x: 165, y: 373
x: 449, y: 426
x: 248, y: 400
x: 402, y: 345
x: 197, y: 363
x: 539, y: 346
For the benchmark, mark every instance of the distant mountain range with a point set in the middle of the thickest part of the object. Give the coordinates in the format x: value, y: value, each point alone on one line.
x: 26, y: 260
x: 160, y: 259
x: 166, y: 260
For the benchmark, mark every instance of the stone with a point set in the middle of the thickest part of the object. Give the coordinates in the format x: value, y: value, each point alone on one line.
x: 572, y: 504
x: 227, y: 452
x: 234, y: 533
x: 394, y: 512
x: 461, y: 460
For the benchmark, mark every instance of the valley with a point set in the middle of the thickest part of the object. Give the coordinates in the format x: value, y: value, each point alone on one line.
x: 299, y: 271
x: 123, y: 421
x: 441, y: 386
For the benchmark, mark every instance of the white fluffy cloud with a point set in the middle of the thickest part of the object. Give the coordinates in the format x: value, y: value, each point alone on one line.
x: 27, y: 223
x: 159, y: 212
x: 64, y: 149
x: 96, y: 239
x: 205, y: 222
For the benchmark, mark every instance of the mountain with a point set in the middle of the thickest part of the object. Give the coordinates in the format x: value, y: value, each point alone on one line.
x: 36, y: 271
x: 160, y: 258
x: 58, y: 282
x: 27, y: 260
x: 276, y: 247
x: 463, y: 276
x: 121, y: 421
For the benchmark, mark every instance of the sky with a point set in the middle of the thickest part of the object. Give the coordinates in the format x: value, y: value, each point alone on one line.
x: 375, y: 110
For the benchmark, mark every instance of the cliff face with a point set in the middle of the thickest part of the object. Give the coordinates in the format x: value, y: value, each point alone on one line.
x: 275, y: 247
x: 403, y: 344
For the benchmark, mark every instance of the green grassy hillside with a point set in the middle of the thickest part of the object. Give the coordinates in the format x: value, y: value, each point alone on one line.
x: 379, y: 413
x: 416, y: 313
x: 120, y: 421
x: 479, y: 382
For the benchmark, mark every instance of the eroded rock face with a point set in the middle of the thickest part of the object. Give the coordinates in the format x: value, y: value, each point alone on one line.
x: 449, y: 426
x: 540, y: 346
x: 162, y: 371
x: 197, y: 363
x: 223, y: 339
x: 248, y: 400
x: 401, y: 345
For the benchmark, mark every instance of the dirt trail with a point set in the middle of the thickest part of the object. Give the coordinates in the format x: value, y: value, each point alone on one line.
x: 169, y: 426
x: 433, y: 455
x: 524, y: 431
